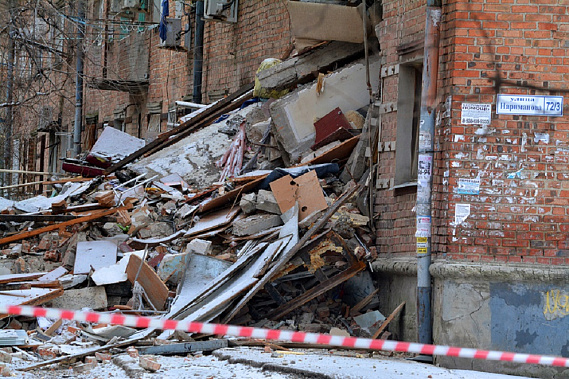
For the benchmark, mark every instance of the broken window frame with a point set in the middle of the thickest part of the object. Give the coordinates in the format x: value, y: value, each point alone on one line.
x: 408, y: 119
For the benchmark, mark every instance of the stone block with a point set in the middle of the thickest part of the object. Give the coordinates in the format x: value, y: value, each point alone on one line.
x: 255, y: 224
x: 247, y: 203
x: 266, y: 202
x: 199, y: 246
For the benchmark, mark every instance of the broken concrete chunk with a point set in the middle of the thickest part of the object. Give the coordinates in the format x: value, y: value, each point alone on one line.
x: 149, y: 363
x: 266, y: 202
x: 89, y: 297
x: 370, y: 321
x: 113, y: 145
x: 199, y: 246
x: 247, y: 203
x: 156, y: 229
x: 294, y: 114
x: 255, y: 224
x: 339, y: 332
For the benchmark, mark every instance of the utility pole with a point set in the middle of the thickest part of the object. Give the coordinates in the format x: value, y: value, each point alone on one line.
x: 425, y: 169
x: 79, y: 77
x: 8, y: 124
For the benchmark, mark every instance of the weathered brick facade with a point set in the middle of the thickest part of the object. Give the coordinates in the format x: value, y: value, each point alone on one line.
x: 232, y: 54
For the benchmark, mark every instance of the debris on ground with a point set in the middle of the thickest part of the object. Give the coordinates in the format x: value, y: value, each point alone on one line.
x: 239, y: 215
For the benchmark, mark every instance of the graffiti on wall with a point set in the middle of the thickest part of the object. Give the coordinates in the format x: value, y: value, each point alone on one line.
x: 556, y: 304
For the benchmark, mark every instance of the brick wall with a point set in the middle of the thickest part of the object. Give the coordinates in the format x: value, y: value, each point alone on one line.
x: 521, y: 213
x: 232, y: 54
x: 402, y: 25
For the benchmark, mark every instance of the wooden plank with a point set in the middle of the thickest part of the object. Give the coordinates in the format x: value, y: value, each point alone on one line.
x: 95, y: 216
x: 74, y: 357
x: 36, y: 218
x: 365, y: 301
x: 156, y: 290
x: 278, y: 266
x: 208, y: 115
x: 337, y: 153
x: 12, y: 278
x: 213, y: 220
x: 210, y: 204
x: 49, y: 331
x: 388, y: 320
x: 316, y: 291
x: 63, y: 181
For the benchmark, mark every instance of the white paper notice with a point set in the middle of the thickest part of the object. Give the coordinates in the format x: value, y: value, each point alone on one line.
x: 461, y: 212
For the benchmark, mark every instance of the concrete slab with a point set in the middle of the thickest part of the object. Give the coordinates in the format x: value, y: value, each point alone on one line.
x: 255, y: 224
x: 294, y: 114
x: 88, y: 297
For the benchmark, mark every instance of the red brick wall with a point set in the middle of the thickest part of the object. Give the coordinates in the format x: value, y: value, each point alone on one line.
x: 519, y: 219
x: 233, y: 52
x: 515, y: 218
x: 403, y: 23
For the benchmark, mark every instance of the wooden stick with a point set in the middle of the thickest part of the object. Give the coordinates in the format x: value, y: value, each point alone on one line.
x: 365, y: 301
x: 95, y: 216
x: 388, y: 320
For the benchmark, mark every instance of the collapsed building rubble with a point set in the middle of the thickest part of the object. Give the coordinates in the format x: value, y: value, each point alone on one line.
x: 233, y: 219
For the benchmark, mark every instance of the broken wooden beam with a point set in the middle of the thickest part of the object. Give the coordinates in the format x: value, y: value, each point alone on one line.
x: 388, y: 320
x: 316, y: 291
x: 31, y: 233
x: 156, y: 291
x: 36, y: 218
x: 278, y: 266
x: 365, y: 301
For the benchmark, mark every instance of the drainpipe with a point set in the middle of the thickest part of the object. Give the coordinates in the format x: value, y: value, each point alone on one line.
x: 425, y: 169
x: 198, y: 53
x: 9, y: 94
x: 79, y: 77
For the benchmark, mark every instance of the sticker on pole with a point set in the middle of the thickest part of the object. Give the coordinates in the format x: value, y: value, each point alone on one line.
x: 525, y: 105
x: 475, y: 113
x: 423, y: 226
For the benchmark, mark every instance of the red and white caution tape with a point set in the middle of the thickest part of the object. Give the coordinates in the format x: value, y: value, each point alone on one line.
x: 283, y: 335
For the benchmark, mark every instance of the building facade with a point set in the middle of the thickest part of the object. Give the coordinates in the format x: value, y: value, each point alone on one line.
x: 499, y: 219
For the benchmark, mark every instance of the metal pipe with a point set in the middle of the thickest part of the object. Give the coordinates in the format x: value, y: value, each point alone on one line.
x: 198, y: 53
x: 187, y: 104
x: 9, y: 93
x: 425, y: 169
x: 79, y: 78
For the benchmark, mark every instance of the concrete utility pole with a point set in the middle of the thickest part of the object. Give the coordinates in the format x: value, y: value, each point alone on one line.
x: 9, y: 92
x: 79, y: 77
x: 425, y: 168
